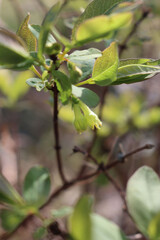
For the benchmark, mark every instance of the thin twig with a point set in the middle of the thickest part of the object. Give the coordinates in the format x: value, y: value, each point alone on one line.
x: 146, y: 146
x: 119, y: 190
x: 56, y: 134
x: 117, y: 161
x: 123, y: 158
x: 117, y: 187
x: 86, y: 154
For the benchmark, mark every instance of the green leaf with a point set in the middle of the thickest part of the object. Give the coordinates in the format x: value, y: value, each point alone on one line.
x: 93, y: 29
x: 8, y: 194
x: 131, y: 61
x: 103, y: 229
x: 153, y: 62
x: 135, y: 73
x: 154, y: 228
x: 25, y: 33
x: 40, y: 233
x: 48, y: 22
x: 37, y: 186
x: 95, y: 8
x: 143, y: 197
x: 12, y: 51
x: 105, y: 67
x: 35, y: 29
x: 36, y: 82
x: 87, y: 96
x: 80, y: 222
x: 63, y: 86
x: 10, y: 219
x: 87, y: 54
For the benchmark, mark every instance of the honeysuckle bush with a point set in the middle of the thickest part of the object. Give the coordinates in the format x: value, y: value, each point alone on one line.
x: 44, y: 51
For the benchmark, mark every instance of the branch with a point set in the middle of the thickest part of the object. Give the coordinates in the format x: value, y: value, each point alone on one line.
x: 123, y: 158
x: 56, y: 133
x: 117, y: 187
x: 86, y: 154
x: 120, y: 191
x: 146, y: 146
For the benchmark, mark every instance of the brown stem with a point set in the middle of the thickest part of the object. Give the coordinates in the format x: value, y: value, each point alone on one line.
x: 119, y: 190
x: 117, y: 187
x: 56, y: 133
x: 122, y: 159
x: 87, y: 154
x: 146, y: 146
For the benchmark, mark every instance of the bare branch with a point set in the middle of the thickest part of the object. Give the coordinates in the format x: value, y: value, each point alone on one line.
x: 56, y: 134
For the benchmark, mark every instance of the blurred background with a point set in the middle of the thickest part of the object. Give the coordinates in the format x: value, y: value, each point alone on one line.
x: 130, y: 114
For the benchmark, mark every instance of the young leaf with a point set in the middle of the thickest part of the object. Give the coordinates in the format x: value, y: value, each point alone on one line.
x: 87, y: 54
x: 37, y: 186
x: 35, y: 29
x: 63, y: 85
x: 95, y: 8
x: 25, y: 33
x: 12, y: 51
x: 105, y: 67
x: 93, y: 29
x: 80, y: 222
x: 36, y: 82
x: 135, y: 73
x: 47, y: 24
x: 10, y: 219
x: 143, y: 197
x: 131, y: 61
x: 103, y: 229
x: 87, y: 96
x: 8, y: 194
